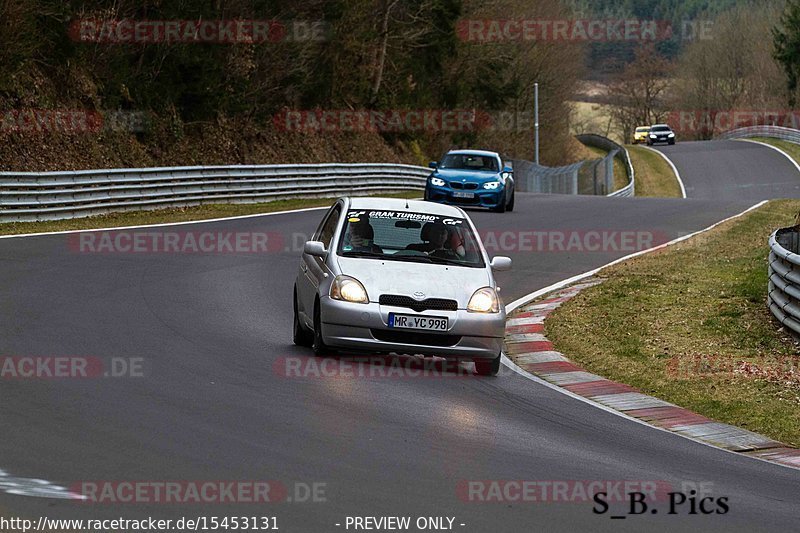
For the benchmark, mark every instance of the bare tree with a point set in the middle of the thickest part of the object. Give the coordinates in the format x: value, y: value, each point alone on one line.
x: 637, y: 95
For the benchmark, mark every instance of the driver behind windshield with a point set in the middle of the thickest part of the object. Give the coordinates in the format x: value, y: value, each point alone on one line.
x: 440, y: 242
x: 360, y: 236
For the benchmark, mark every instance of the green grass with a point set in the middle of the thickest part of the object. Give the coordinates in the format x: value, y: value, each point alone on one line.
x: 654, y: 177
x: 689, y: 324
x: 162, y: 216
x: 585, y: 176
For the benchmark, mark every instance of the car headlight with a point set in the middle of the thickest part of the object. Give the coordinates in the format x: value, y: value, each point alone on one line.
x: 348, y: 289
x: 484, y: 301
x: 671, y: 135
x: 491, y: 185
x: 652, y: 136
x: 439, y: 182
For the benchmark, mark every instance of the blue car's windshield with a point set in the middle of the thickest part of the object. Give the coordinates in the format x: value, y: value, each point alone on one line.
x: 470, y: 162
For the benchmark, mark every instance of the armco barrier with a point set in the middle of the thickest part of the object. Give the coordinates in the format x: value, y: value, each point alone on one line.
x: 783, y: 298
x: 32, y: 196
x: 530, y: 177
x: 778, y: 132
x: 614, y: 150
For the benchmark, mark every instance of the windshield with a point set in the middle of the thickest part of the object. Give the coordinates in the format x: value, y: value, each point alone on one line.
x: 660, y: 128
x: 470, y: 162
x: 408, y: 236
x: 644, y: 129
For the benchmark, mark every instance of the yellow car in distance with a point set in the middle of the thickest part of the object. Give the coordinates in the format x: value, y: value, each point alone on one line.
x: 640, y: 134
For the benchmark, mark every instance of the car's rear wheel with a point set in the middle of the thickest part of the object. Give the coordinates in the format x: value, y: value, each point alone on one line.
x: 320, y: 348
x: 488, y: 368
x: 300, y: 334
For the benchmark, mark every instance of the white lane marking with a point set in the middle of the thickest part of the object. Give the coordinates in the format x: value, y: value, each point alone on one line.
x: 569, y: 281
x: 164, y: 224
x: 536, y: 379
x: 37, y: 488
x: 670, y: 163
x: 784, y: 154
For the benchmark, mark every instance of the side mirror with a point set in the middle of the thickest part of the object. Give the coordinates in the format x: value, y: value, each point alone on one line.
x: 500, y: 263
x: 433, y: 164
x: 315, y: 248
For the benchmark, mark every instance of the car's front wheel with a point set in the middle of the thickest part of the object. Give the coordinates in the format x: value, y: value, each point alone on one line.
x: 488, y: 368
x: 511, y: 203
x: 501, y: 205
x: 320, y: 348
x: 300, y: 335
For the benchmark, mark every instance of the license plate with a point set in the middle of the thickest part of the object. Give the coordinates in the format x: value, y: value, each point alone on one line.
x: 459, y: 194
x: 434, y: 323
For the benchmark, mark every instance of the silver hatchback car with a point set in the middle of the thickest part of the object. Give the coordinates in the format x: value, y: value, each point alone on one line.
x: 389, y: 275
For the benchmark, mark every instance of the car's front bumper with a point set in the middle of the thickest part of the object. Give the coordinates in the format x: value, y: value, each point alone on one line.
x: 364, y: 327
x: 481, y: 197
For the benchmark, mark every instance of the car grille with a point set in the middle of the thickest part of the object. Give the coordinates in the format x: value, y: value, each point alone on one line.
x: 467, y: 186
x: 415, y: 337
x: 431, y: 304
x: 465, y: 201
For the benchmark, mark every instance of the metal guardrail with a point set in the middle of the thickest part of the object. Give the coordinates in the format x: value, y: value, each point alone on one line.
x: 783, y: 297
x: 778, y: 132
x: 530, y: 177
x: 33, y: 196
x: 605, y: 166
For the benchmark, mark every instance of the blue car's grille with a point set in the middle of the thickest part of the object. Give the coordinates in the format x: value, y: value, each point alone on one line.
x: 460, y: 185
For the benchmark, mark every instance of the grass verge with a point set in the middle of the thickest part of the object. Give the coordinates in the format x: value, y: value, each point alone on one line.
x: 654, y: 177
x: 163, y: 216
x: 689, y: 324
x: 586, y: 183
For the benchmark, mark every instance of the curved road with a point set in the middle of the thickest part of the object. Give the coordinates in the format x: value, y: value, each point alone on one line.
x: 210, y: 406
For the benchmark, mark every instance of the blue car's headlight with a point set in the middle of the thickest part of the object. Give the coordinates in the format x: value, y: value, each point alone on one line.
x: 671, y: 135
x: 439, y: 182
x: 491, y: 185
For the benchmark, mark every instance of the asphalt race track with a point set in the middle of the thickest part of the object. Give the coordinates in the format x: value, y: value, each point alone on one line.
x: 210, y: 405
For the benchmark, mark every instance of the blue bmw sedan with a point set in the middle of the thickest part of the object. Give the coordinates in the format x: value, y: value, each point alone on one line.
x: 471, y: 178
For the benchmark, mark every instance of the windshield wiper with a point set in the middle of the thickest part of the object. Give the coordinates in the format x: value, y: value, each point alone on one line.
x: 445, y: 261
x: 376, y: 255
x: 362, y: 254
